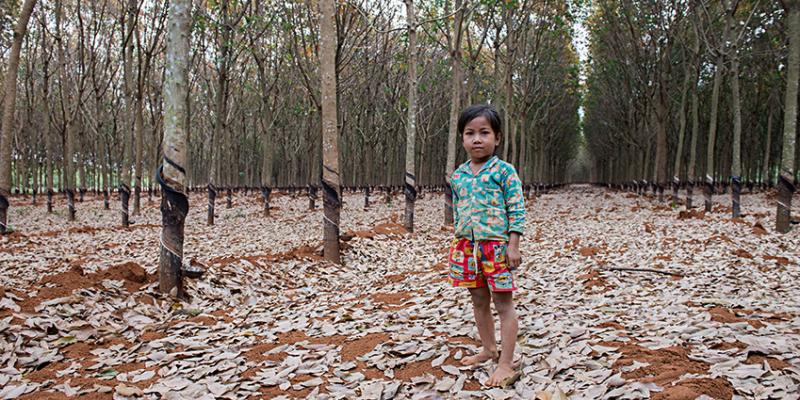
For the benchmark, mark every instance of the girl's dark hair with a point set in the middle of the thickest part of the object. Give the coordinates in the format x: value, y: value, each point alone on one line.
x: 481, y: 110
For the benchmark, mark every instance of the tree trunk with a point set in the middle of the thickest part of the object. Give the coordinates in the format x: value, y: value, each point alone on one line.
x: 661, y: 115
x: 676, y: 173
x: 138, y: 146
x: 266, y: 172
x: 691, y: 172
x: 129, y: 127
x: 330, y: 131
x: 508, y: 84
x: 172, y: 174
x: 411, y: 125
x: 523, y: 150
x: 455, y: 109
x: 712, y: 127
x: 736, y: 162
x: 68, y: 176
x: 9, y: 102
x: 765, y: 178
x: 786, y: 184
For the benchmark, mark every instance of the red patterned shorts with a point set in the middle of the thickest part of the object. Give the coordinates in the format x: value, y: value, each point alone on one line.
x: 489, y: 267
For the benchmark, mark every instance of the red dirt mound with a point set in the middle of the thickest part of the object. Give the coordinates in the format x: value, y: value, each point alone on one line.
x: 725, y: 316
x: 691, y: 389
x: 665, y: 365
x: 391, y: 229
x: 691, y: 214
x: 63, y: 284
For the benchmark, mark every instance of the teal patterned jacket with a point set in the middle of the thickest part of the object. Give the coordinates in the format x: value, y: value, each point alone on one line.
x: 490, y: 205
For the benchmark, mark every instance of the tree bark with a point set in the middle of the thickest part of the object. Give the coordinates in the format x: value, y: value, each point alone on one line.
x: 736, y: 160
x: 172, y: 174
x: 455, y: 109
x: 676, y: 172
x: 786, y: 185
x: 129, y: 127
x: 691, y: 172
x: 330, y: 131
x: 9, y: 102
x: 765, y: 178
x: 411, y: 125
x: 712, y: 127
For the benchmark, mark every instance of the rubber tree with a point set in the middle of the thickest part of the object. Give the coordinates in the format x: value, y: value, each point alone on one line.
x: 713, y: 118
x: 9, y: 102
x: 411, y: 125
x: 129, y: 128
x: 691, y: 169
x: 786, y: 186
x: 68, y: 176
x: 49, y: 151
x: 172, y: 173
x: 330, y: 131
x: 455, y: 107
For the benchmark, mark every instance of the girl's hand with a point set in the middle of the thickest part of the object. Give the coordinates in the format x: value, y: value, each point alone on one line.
x: 514, y: 257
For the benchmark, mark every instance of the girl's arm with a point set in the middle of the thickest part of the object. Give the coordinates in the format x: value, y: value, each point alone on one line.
x: 514, y: 255
x: 515, y: 203
x: 515, y: 212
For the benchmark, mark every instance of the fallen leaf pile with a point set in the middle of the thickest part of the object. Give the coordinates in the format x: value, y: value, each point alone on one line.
x: 620, y: 297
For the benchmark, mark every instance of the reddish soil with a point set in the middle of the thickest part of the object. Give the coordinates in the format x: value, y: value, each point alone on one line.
x: 298, y: 253
x: 773, y: 362
x: 149, y: 336
x: 690, y: 389
x: 361, y: 346
x: 391, y: 301
x: 593, y: 279
x: 759, y: 229
x: 613, y: 325
x: 721, y: 209
x: 293, y: 337
x: 64, y: 283
x: 463, y: 340
x: 742, y: 253
x: 12, y: 238
x: 588, y: 251
x: 725, y: 316
x: 419, y: 368
x: 665, y: 365
x: 391, y: 229
x: 389, y: 278
x: 204, y: 320
x: 222, y: 315
x: 783, y: 261
x: 256, y: 354
x: 728, y: 346
x: 274, y: 391
x: 93, y: 229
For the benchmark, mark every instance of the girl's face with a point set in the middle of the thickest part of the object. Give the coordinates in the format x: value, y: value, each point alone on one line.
x: 479, y: 139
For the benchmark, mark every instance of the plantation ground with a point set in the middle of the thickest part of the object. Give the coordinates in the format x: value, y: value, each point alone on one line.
x: 79, y: 314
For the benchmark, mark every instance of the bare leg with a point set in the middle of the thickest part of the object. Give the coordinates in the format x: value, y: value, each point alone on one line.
x: 509, y: 326
x: 481, y: 307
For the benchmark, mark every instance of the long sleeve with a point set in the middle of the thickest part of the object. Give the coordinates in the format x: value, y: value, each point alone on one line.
x: 454, y: 198
x: 515, y: 203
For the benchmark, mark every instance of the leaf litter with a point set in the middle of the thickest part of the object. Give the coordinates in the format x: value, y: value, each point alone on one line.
x: 80, y: 314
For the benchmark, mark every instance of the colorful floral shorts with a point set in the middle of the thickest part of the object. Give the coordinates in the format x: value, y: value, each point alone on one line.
x: 491, y: 268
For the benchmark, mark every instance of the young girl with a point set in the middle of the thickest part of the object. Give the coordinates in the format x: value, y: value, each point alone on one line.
x: 489, y: 213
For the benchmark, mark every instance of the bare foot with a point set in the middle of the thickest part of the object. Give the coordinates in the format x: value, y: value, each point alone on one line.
x: 481, y: 357
x: 503, y: 376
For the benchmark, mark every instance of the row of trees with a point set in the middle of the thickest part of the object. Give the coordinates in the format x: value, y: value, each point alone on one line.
x: 679, y: 88
x: 90, y: 108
